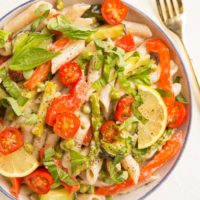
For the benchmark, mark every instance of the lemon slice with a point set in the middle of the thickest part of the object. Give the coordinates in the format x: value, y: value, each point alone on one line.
x: 17, y: 164
x: 153, y: 109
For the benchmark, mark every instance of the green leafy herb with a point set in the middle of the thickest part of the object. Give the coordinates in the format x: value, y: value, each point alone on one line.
x: 78, y: 162
x: 14, y: 105
x: 31, y: 119
x: 28, y: 59
x: 13, y: 90
x: 94, y: 11
x: 57, y: 173
x: 61, y: 24
x: 4, y: 35
x: 142, y: 76
x: 118, y: 177
x: 163, y: 93
x: 40, y: 20
x: 180, y: 98
x: 128, y: 122
x: 98, y: 84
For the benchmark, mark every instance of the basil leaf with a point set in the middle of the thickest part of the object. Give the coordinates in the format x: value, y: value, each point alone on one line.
x: 61, y: 24
x: 180, y: 98
x: 4, y: 35
x: 78, y: 162
x: 13, y: 90
x: 29, y: 58
x: 40, y: 20
x: 15, y: 107
x: 163, y: 93
x: 57, y: 173
x: 98, y: 84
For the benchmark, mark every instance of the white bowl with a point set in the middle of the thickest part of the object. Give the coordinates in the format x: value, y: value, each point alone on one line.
x: 137, y: 16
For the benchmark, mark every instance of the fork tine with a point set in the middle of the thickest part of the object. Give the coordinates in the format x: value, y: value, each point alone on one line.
x: 180, y: 6
x: 167, y: 9
x: 160, y: 10
x: 170, y: 8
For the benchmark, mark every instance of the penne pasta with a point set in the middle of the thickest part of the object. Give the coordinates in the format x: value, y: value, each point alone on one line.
x: 26, y: 17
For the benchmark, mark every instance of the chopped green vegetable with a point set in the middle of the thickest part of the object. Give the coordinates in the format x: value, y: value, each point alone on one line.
x: 85, y: 58
x: 94, y: 11
x: 84, y: 188
x: 86, y: 109
x: 99, y: 84
x: 31, y: 119
x: 127, y: 123
x: 78, y: 162
x: 14, y: 105
x: 180, y: 98
x: 27, y: 74
x: 4, y: 35
x: 40, y: 20
x: 28, y: 147
x: 2, y: 94
x: 57, y: 173
x: 67, y: 144
x: 60, y: 23
x: 99, y: 60
x: 163, y: 93
x: 48, y: 96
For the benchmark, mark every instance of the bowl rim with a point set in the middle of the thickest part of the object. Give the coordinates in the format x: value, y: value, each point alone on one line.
x: 188, y: 128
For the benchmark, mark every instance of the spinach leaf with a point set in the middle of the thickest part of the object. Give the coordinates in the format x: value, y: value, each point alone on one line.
x: 4, y: 35
x: 29, y: 58
x: 61, y: 24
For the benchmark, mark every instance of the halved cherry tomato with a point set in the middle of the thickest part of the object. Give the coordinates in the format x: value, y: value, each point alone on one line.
x: 157, y: 46
x: 123, y: 110
x: 70, y: 73
x: 88, y: 138
x: 62, y: 104
x: 109, y: 131
x: 66, y: 126
x: 170, y: 149
x: 39, y: 75
x: 114, y: 11
x: 60, y: 44
x: 3, y: 59
x: 126, y: 42
x: 16, y: 184
x: 71, y: 188
x: 39, y: 181
x: 10, y: 140
x: 177, y: 115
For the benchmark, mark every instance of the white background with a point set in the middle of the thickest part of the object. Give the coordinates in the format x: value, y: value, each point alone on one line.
x: 184, y: 182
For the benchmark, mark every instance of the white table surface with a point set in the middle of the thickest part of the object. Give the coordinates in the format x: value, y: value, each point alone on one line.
x: 184, y: 182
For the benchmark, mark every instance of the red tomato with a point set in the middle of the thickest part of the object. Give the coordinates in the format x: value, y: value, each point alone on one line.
x: 88, y: 138
x: 60, y: 44
x: 39, y: 181
x: 70, y: 73
x: 16, y: 184
x: 66, y: 126
x: 39, y: 75
x: 71, y: 188
x: 123, y: 110
x: 177, y: 115
x: 62, y: 104
x: 10, y: 140
x: 109, y: 131
x: 114, y: 11
x: 126, y: 42
x: 170, y: 149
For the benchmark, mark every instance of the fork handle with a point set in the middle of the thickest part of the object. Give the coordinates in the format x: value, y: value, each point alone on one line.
x: 191, y: 67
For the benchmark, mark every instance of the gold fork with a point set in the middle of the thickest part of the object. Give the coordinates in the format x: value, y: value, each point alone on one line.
x: 170, y: 12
